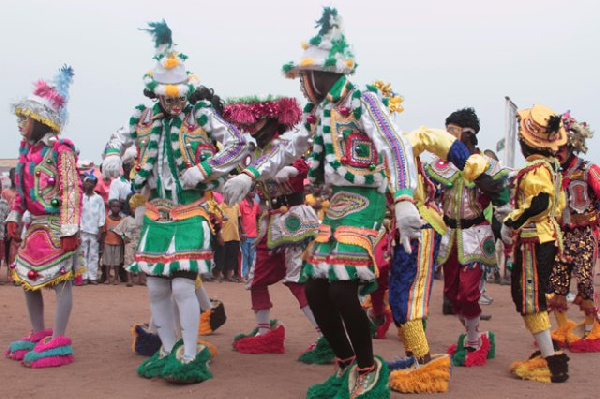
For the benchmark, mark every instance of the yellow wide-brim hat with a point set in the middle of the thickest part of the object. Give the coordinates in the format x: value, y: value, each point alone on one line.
x: 537, y: 131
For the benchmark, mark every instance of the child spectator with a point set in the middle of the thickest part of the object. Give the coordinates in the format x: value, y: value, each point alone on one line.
x: 10, y: 244
x: 129, y: 230
x: 249, y: 213
x: 112, y: 256
x: 4, y: 210
x: 230, y: 233
x: 93, y: 215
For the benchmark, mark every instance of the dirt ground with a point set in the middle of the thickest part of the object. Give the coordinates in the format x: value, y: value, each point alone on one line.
x: 105, y: 365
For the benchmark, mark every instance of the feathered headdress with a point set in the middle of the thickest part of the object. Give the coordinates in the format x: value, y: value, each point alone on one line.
x: 48, y: 102
x: 245, y: 112
x: 328, y: 51
x: 169, y: 77
x: 578, y: 133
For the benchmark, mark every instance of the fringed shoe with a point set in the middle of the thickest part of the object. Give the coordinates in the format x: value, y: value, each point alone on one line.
x: 318, y: 353
x: 371, y: 384
x: 431, y: 377
x: 211, y: 348
x: 330, y: 388
x: 554, y: 368
x: 580, y: 341
x: 153, y: 367
x: 559, y: 336
x: 50, y: 352
x: 463, y: 356
x: 182, y: 370
x: 252, y: 333
x: 212, y: 319
x: 145, y: 343
x: 271, y: 342
x: 18, y: 349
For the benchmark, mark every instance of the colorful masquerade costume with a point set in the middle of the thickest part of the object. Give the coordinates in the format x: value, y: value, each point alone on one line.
x: 285, y: 228
x: 468, y: 244
x: 579, y: 224
x: 411, y: 278
x: 354, y: 140
x: 177, y: 164
x: 48, y: 186
x: 538, y: 200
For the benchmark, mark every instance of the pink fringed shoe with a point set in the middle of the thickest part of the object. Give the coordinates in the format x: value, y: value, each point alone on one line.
x: 50, y: 352
x: 18, y: 349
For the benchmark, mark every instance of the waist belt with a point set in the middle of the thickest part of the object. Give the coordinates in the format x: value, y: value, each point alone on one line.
x: 463, y: 223
x: 287, y: 200
x: 165, y: 210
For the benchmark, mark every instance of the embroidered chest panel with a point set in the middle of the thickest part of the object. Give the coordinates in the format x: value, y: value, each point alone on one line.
x: 352, y: 148
x: 40, y: 177
x: 194, y: 143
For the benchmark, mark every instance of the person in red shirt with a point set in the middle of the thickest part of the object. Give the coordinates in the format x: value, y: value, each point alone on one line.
x: 249, y: 213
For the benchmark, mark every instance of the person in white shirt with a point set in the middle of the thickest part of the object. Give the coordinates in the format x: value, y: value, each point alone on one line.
x: 92, y: 219
x: 120, y: 188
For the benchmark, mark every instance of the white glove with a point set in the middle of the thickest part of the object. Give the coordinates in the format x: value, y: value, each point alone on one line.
x: 191, y: 177
x: 236, y: 188
x: 111, y: 166
x: 506, y: 233
x: 285, y: 173
x: 501, y: 212
x: 408, y: 222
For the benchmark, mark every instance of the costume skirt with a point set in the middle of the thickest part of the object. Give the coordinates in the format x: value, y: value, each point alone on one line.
x: 40, y: 262
x: 344, y: 246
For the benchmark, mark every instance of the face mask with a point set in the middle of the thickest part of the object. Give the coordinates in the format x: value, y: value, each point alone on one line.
x: 25, y: 125
x: 307, y: 88
x: 173, y: 105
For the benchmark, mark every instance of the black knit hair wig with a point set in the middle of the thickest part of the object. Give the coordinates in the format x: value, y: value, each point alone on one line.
x: 206, y: 94
x: 465, y: 117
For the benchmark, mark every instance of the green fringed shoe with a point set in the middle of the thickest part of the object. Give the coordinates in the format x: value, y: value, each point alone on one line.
x: 179, y: 370
x: 153, y: 367
x: 318, y: 353
x: 329, y: 388
x: 371, y: 385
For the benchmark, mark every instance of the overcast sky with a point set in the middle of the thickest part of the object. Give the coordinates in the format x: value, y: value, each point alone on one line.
x: 439, y: 55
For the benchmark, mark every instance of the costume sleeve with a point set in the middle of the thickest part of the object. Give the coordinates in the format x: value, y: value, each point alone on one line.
x: 593, y: 179
x: 489, y: 176
x: 234, y: 145
x: 125, y: 136
x: 538, y: 189
x: 395, y: 147
x: 18, y: 206
x: 289, y: 148
x: 440, y: 143
x: 70, y: 191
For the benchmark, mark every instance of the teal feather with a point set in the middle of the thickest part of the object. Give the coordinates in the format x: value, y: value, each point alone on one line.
x: 160, y: 32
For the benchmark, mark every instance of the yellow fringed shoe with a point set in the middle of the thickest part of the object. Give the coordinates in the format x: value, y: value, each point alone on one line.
x: 551, y: 369
x: 560, y: 334
x: 431, y: 377
x: 580, y: 342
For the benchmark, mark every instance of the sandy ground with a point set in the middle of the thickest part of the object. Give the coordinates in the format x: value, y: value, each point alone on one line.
x: 105, y: 365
